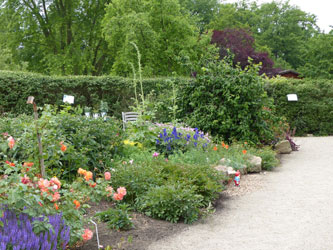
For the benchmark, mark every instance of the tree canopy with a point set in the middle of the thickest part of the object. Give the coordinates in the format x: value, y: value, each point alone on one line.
x: 84, y: 37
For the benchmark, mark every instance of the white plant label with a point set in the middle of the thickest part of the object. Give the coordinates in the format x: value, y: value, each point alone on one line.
x: 292, y: 98
x: 68, y: 99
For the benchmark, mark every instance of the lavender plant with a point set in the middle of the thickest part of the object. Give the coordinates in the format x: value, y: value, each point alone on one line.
x: 17, y: 233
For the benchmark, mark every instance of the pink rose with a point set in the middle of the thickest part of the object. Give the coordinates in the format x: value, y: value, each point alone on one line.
x: 107, y: 176
x: 121, y: 191
x: 87, y: 235
x: 55, y: 197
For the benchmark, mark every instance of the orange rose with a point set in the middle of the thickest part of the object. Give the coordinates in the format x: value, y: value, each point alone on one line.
x: 118, y: 197
x: 88, y: 176
x: 77, y: 204
x: 93, y: 184
x: 63, y: 148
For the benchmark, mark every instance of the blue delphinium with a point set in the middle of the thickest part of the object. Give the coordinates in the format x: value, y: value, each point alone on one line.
x: 17, y: 233
x: 176, y: 141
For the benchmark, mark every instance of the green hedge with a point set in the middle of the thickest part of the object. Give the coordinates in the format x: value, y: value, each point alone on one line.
x: 313, y: 113
x: 15, y: 87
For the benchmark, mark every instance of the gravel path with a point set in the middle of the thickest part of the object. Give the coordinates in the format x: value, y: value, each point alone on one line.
x: 292, y: 208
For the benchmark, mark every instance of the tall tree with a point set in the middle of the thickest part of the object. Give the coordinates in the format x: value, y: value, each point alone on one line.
x: 282, y: 28
x: 317, y: 57
x: 57, y: 36
x: 202, y: 10
x: 161, y: 31
x: 241, y: 44
x: 285, y: 29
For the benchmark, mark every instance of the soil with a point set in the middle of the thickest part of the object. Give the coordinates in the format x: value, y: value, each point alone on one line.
x: 148, y: 230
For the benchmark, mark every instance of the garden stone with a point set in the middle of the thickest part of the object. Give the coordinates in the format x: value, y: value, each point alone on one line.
x: 255, y: 164
x: 222, y: 168
x: 228, y: 171
x: 243, y: 169
x: 231, y: 171
x: 224, y: 161
x: 283, y: 147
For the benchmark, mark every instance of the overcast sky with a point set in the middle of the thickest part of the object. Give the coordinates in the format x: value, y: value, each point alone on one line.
x: 323, y: 9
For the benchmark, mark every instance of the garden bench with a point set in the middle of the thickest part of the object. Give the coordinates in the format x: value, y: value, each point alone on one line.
x: 129, y: 117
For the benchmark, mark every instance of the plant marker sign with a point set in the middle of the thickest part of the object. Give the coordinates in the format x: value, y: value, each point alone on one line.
x: 68, y: 99
x: 292, y: 98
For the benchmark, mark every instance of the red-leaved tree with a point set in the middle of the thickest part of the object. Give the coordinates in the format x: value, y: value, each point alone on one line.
x: 241, y: 44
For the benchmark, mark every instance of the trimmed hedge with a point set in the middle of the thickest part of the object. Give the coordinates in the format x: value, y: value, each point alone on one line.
x: 313, y: 113
x: 118, y: 92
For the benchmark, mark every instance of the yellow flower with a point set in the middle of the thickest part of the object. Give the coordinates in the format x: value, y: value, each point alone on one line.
x: 132, y: 143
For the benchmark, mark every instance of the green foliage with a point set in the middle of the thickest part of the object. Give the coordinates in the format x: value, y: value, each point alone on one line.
x: 20, y: 192
x: 203, y: 178
x: 138, y: 177
x: 90, y: 142
x: 227, y: 102
x: 281, y: 27
x: 202, y: 11
x: 172, y: 202
x: 117, y: 218
x: 146, y: 172
x: 118, y: 92
x: 170, y: 32
x: 318, y: 55
x: 56, y: 37
x: 268, y: 156
x: 312, y: 113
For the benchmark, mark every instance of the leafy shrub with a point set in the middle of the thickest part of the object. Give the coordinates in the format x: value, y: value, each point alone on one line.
x: 204, y: 179
x: 227, y: 101
x: 138, y: 178
x: 89, y: 142
x: 268, y: 156
x: 117, y: 218
x: 312, y: 113
x: 22, y: 191
x: 172, y: 202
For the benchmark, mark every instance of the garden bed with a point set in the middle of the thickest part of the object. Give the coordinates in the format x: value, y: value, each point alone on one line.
x: 148, y: 230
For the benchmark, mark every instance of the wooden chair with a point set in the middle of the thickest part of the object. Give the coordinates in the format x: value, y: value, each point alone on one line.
x: 129, y: 117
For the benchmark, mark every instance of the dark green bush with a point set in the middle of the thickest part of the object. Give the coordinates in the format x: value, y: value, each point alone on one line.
x: 227, y: 102
x: 138, y: 178
x: 117, y: 218
x: 205, y: 180
x: 172, y: 202
x: 313, y: 113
